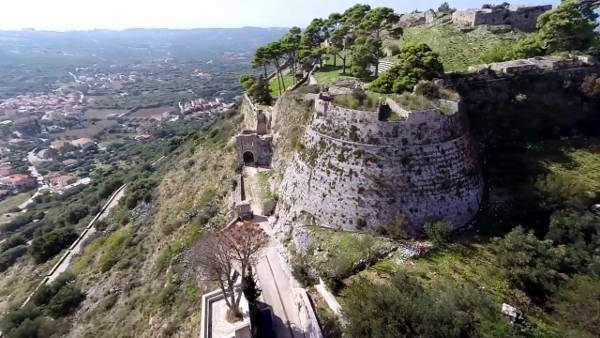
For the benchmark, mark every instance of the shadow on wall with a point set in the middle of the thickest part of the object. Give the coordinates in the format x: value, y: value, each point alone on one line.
x: 268, y: 325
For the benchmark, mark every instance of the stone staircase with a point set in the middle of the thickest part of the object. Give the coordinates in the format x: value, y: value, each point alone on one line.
x: 384, y: 66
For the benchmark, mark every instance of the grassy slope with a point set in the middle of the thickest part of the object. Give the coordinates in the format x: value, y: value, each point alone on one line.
x: 471, y: 260
x: 327, y: 74
x: 12, y: 202
x: 156, y: 294
x: 274, y: 88
x: 457, y: 50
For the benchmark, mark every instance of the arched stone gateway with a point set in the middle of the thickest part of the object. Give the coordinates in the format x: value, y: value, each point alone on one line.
x: 253, y: 149
x: 248, y: 158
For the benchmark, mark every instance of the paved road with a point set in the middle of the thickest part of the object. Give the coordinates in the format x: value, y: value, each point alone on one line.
x: 32, y: 159
x: 90, y: 230
x: 277, y: 291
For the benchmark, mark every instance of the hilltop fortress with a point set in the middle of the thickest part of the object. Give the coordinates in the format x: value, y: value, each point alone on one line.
x: 358, y: 172
x: 388, y: 166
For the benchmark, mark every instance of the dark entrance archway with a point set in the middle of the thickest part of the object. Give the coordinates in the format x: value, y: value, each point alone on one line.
x: 248, y: 158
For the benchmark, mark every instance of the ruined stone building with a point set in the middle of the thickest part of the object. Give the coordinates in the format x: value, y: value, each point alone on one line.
x: 520, y: 18
x: 253, y: 145
x: 253, y: 148
x: 358, y: 171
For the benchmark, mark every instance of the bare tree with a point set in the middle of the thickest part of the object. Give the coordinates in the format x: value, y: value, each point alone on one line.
x: 219, y: 254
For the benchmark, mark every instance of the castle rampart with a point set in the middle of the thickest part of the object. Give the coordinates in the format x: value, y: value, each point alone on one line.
x: 357, y: 170
x: 520, y: 18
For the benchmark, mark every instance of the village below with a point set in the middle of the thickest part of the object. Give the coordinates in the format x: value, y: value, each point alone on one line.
x: 372, y: 174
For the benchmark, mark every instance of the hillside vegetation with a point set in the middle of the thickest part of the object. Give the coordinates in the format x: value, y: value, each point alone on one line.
x: 534, y: 244
x: 457, y: 49
x: 133, y: 271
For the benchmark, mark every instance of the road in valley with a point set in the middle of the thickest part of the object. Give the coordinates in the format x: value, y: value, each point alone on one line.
x: 32, y: 159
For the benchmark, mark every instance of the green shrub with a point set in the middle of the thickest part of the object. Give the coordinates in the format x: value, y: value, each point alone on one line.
x: 427, y: 89
x: 578, y: 303
x: 45, y: 293
x: 579, y: 232
x: 29, y: 328
x: 439, y: 232
x: 140, y: 190
x: 76, y: 212
x: 16, y: 223
x: 531, y: 265
x: 114, y: 249
x: 351, y: 102
x: 335, y: 270
x: 49, y: 244
x: 251, y: 290
x: 247, y: 81
x: 330, y: 325
x: 108, y: 188
x: 416, y: 62
x: 396, y: 228
x: 12, y: 242
x: 57, y: 299
x: 402, y: 308
x: 65, y: 300
x: 10, y: 256
x: 168, y: 295
x: 14, y: 318
x: 302, y: 271
x: 260, y: 92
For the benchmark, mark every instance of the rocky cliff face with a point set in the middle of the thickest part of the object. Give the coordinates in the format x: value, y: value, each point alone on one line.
x: 354, y: 171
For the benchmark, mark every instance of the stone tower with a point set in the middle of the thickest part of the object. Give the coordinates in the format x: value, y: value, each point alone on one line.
x: 357, y: 171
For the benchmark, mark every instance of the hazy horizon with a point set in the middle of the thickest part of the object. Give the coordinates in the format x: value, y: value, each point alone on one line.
x: 118, y: 15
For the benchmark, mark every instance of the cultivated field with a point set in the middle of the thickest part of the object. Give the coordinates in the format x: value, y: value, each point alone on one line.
x: 90, y: 131
x: 102, y: 113
x: 151, y: 112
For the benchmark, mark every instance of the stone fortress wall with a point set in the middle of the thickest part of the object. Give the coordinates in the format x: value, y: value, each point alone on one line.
x: 356, y: 171
x: 521, y: 18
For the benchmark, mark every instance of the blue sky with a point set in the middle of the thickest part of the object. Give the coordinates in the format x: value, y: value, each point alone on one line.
x: 120, y: 14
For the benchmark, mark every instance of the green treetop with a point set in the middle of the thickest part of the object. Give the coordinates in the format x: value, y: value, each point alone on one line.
x: 570, y: 26
x: 416, y: 62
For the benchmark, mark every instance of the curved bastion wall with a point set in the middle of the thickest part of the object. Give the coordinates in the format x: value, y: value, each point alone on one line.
x: 356, y: 171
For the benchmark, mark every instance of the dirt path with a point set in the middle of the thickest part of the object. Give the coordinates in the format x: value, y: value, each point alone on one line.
x: 253, y: 191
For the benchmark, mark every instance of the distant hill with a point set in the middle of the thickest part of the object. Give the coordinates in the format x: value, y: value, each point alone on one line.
x: 133, y: 42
